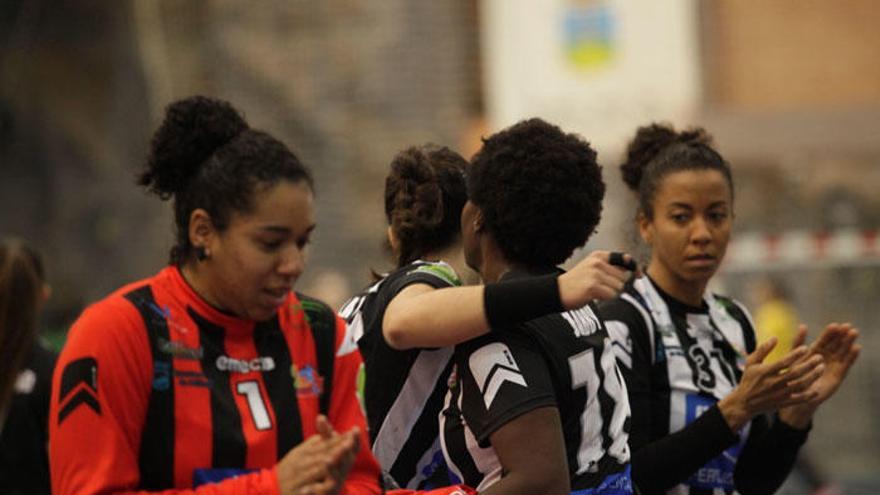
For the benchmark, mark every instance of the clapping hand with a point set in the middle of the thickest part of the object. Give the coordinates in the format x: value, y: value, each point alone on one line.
x: 319, y: 465
x: 839, y: 350
x: 766, y: 387
x: 344, y: 449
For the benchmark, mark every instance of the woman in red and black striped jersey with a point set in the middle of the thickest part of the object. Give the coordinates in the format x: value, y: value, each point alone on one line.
x: 697, y: 383
x: 211, y: 376
x: 406, y: 323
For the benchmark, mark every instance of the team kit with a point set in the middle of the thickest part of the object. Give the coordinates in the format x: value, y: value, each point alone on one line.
x: 474, y: 365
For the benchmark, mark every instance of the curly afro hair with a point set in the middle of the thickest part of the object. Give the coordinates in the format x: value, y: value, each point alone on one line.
x: 540, y: 191
x: 425, y: 192
x: 658, y: 150
x: 204, y: 155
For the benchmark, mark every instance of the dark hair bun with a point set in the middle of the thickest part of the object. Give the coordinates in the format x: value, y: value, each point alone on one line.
x: 424, y: 194
x: 418, y: 201
x: 649, y: 142
x: 192, y: 130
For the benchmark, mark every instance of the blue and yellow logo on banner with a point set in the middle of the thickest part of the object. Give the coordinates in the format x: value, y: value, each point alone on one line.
x: 588, y: 32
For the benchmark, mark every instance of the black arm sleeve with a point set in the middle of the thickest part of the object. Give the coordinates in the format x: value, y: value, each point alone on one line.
x: 768, y: 456
x: 512, y: 302
x: 668, y: 461
x: 659, y: 460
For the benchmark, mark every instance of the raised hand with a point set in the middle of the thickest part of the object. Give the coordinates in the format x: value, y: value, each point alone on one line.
x: 594, y: 277
x: 839, y: 350
x: 767, y: 387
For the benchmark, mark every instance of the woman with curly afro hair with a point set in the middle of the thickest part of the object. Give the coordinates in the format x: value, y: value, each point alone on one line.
x: 698, y: 385
x: 536, y: 407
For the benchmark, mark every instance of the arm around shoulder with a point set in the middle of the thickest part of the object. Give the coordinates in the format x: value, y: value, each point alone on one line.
x: 422, y: 316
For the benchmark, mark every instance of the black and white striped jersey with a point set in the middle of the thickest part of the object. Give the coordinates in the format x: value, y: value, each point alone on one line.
x: 403, y: 390
x: 563, y: 360
x: 678, y: 361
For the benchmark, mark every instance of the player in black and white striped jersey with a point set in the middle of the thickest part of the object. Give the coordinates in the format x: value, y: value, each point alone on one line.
x: 405, y: 322
x: 536, y: 407
x: 698, y: 400
x: 404, y: 386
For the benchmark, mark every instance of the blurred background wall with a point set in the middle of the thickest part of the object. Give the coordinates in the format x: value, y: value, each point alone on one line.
x: 789, y: 88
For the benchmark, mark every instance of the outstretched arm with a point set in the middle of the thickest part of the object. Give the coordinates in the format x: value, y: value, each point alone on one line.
x: 412, y: 318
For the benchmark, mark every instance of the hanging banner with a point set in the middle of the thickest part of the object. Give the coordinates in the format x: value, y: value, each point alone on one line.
x: 597, y: 67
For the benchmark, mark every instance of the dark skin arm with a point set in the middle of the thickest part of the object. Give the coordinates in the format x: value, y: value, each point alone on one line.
x: 532, y: 452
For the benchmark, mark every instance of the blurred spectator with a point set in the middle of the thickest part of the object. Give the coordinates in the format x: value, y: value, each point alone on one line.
x: 28, y: 364
x: 775, y: 317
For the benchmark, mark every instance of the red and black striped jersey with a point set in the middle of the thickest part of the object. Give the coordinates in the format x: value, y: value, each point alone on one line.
x: 157, y: 390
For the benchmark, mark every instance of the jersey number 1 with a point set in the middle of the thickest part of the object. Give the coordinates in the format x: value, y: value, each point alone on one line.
x: 251, y: 390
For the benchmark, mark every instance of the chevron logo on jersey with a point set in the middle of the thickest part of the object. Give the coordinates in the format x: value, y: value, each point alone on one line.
x: 492, y: 365
x: 79, y: 384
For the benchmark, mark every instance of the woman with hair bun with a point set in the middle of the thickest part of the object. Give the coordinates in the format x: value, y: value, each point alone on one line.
x: 213, y: 376
x: 404, y: 386
x: 709, y: 415
x: 407, y: 322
